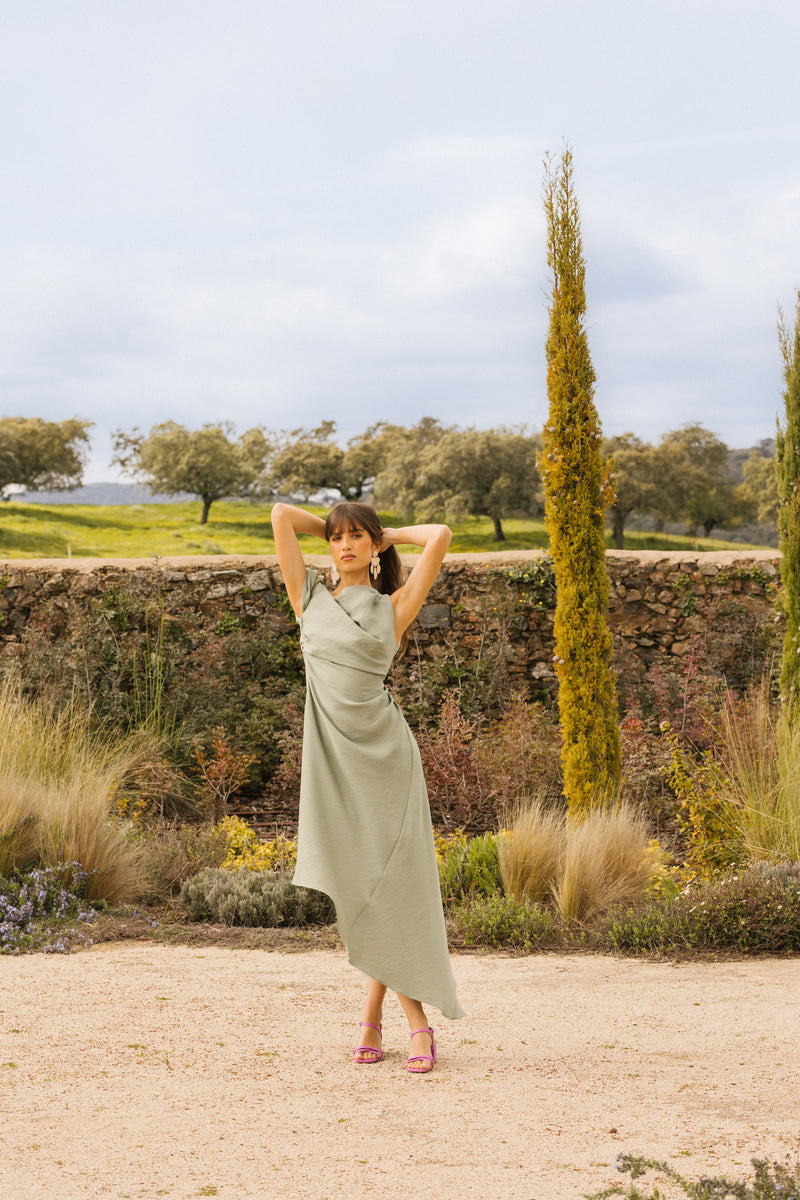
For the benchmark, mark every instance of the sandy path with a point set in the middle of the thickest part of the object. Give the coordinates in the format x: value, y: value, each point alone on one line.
x: 145, y: 1071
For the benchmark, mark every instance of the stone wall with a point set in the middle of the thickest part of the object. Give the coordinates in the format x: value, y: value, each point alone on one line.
x: 658, y: 601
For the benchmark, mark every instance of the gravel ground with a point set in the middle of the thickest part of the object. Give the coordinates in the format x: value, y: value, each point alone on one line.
x: 135, y: 1070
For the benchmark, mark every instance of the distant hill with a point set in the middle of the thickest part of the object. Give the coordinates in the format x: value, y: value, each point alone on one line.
x: 100, y: 493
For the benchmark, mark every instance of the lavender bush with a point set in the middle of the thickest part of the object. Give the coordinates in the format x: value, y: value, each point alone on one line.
x: 39, y: 910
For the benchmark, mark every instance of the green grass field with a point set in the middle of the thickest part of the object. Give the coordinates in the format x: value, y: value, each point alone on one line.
x: 235, y: 527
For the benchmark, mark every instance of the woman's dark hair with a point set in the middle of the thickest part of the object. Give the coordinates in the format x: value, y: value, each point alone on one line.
x: 350, y: 515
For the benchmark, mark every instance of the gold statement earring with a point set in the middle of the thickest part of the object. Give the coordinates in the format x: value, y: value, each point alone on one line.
x: 374, y: 565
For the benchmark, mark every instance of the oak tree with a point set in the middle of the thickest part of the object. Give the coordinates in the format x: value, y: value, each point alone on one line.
x: 210, y: 462
x: 36, y: 454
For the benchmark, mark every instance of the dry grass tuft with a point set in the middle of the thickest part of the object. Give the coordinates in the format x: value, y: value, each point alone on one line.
x: 582, y: 865
x: 606, y: 862
x: 531, y: 851
x: 18, y: 825
x: 761, y: 751
x: 58, y: 783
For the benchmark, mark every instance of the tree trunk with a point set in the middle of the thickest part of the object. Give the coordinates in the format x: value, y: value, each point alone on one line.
x: 499, y: 536
x: 619, y: 528
x: 206, y: 506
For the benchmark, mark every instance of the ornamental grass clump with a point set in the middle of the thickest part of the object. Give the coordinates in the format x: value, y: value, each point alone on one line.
x: 581, y: 865
x: 59, y: 781
x: 531, y: 851
x: 607, y: 860
x: 761, y: 761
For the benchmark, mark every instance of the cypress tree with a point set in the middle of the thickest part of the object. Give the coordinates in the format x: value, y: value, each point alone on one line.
x: 577, y: 490
x: 788, y: 475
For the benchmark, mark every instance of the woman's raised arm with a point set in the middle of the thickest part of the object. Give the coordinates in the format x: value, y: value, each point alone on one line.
x: 409, y: 599
x: 287, y: 522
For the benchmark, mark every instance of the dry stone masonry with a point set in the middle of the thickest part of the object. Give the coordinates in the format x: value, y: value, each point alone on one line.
x: 658, y: 600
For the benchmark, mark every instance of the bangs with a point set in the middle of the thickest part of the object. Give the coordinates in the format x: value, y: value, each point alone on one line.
x: 342, y: 523
x: 351, y: 518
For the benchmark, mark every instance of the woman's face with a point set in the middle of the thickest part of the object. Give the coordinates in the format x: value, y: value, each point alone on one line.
x: 351, y: 550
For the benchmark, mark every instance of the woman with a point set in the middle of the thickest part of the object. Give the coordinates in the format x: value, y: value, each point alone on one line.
x: 365, y: 835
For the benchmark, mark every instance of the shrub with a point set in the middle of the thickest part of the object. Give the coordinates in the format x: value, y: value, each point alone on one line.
x: 246, y: 852
x: 253, y: 898
x: 170, y: 853
x: 471, y: 869
x: 646, y: 757
x: 223, y: 772
x: 756, y: 911
x: 519, y: 755
x: 450, y: 770
x: 503, y: 922
x: 532, y: 851
x: 136, y: 667
x: 706, y: 813
x: 772, y: 1181
x: 446, y: 840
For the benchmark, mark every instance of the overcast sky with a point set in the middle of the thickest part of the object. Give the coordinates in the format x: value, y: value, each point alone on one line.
x: 282, y: 211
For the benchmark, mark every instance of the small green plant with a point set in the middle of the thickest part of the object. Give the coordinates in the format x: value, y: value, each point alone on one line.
x: 771, y: 1181
x: 503, y: 922
x: 255, y: 898
x: 751, y: 571
x: 684, y: 589
x: 470, y: 870
x: 535, y: 582
x: 227, y: 623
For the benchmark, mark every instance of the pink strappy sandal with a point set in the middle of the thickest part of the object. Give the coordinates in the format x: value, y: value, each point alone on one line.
x: 378, y: 1054
x: 430, y: 1059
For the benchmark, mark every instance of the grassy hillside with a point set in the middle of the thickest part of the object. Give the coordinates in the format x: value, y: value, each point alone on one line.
x: 234, y: 527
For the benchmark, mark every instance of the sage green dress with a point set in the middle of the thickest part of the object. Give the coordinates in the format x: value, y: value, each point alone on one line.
x: 365, y: 836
